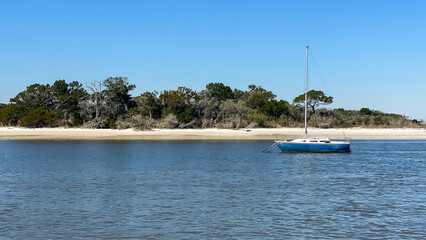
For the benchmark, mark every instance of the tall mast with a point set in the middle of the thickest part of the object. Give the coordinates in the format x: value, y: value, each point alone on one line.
x: 306, y: 94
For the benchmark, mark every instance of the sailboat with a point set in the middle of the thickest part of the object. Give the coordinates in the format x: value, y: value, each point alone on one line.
x: 322, y: 144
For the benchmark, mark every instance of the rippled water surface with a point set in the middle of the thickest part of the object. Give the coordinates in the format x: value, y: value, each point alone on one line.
x: 210, y: 190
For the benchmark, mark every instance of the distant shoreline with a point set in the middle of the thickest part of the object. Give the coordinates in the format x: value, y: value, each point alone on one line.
x: 212, y: 134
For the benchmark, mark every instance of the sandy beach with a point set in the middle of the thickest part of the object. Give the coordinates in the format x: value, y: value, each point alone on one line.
x: 15, y: 133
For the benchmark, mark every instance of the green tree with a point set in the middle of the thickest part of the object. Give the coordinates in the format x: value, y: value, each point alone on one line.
x: 67, y: 98
x: 149, y: 104
x: 11, y: 113
x: 379, y: 120
x: 35, y: 96
x: 180, y: 103
x: 365, y: 111
x: 220, y: 91
x: 117, y: 95
x: 315, y: 99
x: 107, y: 100
x: 238, y: 94
x: 76, y: 94
x: 60, y: 101
x: 257, y: 96
x: 275, y: 108
x: 39, y: 117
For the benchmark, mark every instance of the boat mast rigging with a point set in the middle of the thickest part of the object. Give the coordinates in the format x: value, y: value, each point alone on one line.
x: 310, y: 144
x: 306, y: 95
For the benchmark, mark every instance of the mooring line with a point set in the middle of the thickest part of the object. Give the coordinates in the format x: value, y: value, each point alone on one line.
x: 270, y: 148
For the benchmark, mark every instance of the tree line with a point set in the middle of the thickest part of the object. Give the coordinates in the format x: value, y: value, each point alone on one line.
x: 108, y: 104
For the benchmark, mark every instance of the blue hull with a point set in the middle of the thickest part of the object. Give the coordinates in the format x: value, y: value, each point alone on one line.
x: 307, y: 147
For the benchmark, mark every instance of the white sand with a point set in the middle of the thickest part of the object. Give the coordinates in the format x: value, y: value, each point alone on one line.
x: 14, y: 133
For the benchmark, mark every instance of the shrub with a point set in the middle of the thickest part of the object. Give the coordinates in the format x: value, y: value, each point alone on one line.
x: 365, y: 111
x: 169, y: 121
x: 37, y: 118
x: 11, y: 114
x: 142, y: 122
x: 109, y: 123
x: 379, y: 120
x: 258, y: 118
x: 285, y: 121
x: 124, y: 122
x: 275, y: 108
x: 76, y: 119
x: 186, y: 116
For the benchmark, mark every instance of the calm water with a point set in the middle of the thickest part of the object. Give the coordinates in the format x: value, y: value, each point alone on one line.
x: 210, y: 190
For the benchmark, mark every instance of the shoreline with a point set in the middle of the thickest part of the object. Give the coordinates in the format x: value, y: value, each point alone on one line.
x: 211, y: 134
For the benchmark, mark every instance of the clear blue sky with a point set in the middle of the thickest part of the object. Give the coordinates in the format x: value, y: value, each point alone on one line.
x: 369, y: 53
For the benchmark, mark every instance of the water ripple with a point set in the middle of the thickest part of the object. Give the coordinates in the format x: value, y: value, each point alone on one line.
x: 210, y: 190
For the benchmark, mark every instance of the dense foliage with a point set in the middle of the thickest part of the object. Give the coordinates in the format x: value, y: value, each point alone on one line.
x: 108, y: 104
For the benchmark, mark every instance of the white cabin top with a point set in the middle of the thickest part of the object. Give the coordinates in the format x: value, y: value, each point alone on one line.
x: 318, y: 140
x: 313, y: 140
